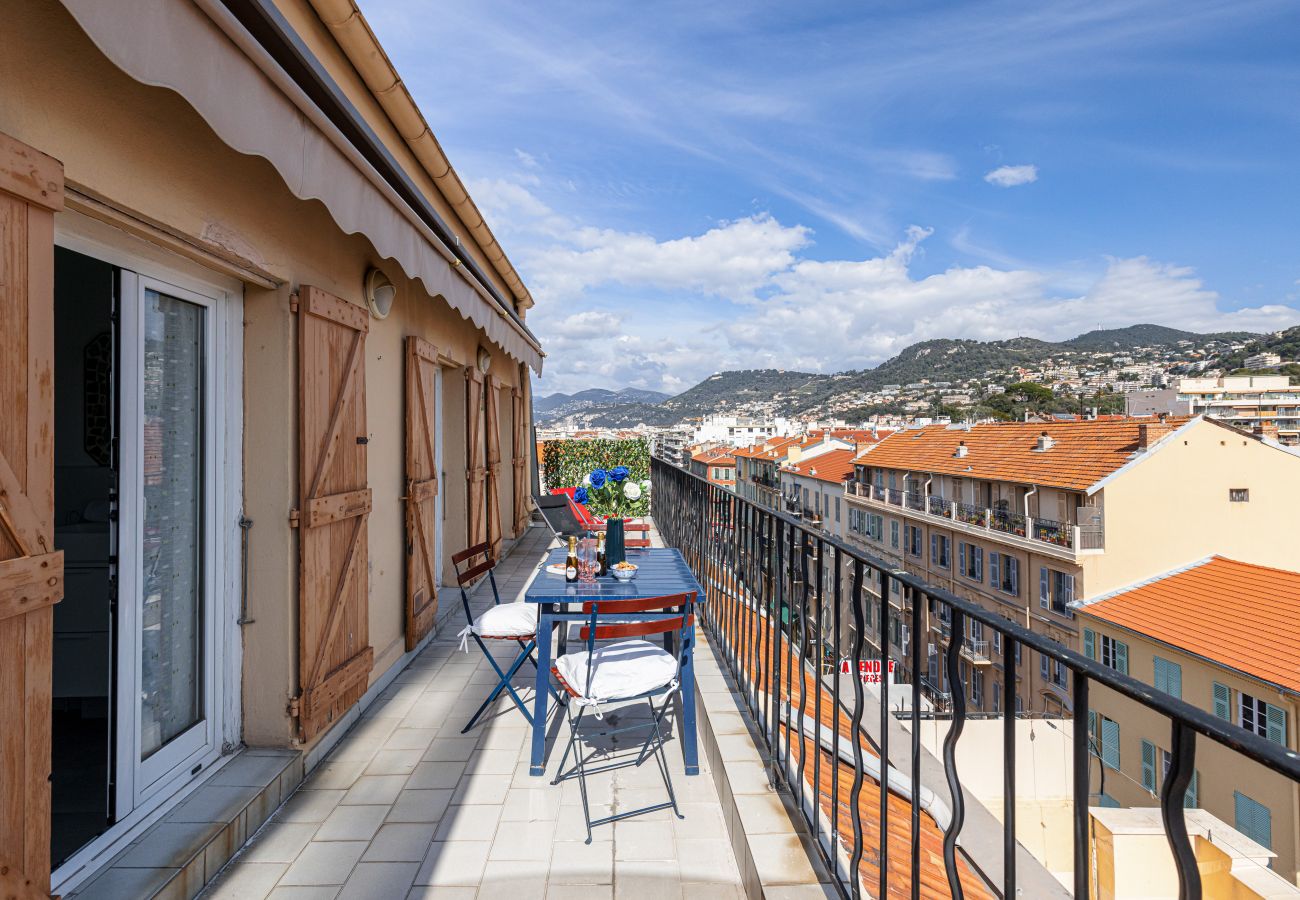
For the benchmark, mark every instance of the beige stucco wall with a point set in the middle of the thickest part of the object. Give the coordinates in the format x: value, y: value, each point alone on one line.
x: 146, y: 151
x: 1173, y: 508
x: 1221, y: 771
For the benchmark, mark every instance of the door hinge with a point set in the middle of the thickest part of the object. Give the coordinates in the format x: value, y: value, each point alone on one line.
x: 295, y: 707
x: 293, y: 518
x: 293, y: 302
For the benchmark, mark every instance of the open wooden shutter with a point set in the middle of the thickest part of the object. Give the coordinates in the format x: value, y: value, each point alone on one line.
x: 334, y: 652
x: 519, y: 461
x: 421, y: 488
x: 475, y: 473
x: 31, y: 571
x: 493, y: 488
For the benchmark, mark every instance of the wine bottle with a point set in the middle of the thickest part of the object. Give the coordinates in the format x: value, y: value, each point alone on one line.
x: 600, y: 555
x: 571, y: 564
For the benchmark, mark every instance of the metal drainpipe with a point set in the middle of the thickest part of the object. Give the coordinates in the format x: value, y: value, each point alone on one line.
x: 1033, y: 489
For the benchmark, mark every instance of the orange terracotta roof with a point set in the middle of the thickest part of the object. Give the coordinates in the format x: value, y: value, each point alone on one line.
x: 1082, y: 453
x: 715, y: 456
x: 1239, y: 615
x: 834, y: 466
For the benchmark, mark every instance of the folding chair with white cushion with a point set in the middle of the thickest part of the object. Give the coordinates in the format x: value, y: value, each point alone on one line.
x: 500, y: 622
x: 622, y: 672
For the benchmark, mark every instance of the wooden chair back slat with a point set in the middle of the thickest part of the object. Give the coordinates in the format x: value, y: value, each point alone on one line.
x: 636, y: 629
x: 470, y: 552
x: 646, y: 604
x: 473, y: 572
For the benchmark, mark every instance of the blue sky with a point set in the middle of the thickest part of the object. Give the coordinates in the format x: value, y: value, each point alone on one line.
x: 690, y: 187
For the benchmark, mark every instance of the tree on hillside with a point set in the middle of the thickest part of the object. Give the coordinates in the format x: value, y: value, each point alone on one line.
x: 1031, y: 392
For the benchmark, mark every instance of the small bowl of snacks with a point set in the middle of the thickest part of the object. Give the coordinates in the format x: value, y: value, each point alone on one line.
x: 623, y: 571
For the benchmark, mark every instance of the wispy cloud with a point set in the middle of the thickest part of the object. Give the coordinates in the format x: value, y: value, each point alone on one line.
x: 1012, y: 176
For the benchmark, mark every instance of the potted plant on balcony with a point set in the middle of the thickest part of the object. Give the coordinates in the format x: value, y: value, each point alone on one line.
x: 614, y: 496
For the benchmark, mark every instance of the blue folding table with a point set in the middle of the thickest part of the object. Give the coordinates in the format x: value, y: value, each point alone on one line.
x: 660, y: 572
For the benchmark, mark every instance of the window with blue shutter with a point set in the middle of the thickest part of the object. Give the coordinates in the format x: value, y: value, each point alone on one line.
x: 979, y: 563
x: 1149, y: 766
x: 1190, y: 800
x: 1092, y: 732
x: 934, y: 548
x: 1254, y: 819
x: 1089, y: 643
x: 1043, y: 599
x: 1121, y: 657
x: 893, y: 534
x: 1223, y: 701
x: 1168, y: 677
x: 1013, y: 574
x: 995, y: 577
x: 1110, y: 743
x: 1276, y: 729
x: 961, y: 556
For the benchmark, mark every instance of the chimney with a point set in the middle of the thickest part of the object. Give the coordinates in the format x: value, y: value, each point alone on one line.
x: 961, y: 450
x: 1150, y: 432
x: 1045, y: 443
x: 1266, y: 430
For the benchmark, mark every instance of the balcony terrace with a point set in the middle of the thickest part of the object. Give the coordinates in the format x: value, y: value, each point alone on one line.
x: 1062, y: 539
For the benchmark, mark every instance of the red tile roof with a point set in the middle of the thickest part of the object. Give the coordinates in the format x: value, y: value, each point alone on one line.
x: 1239, y: 615
x: 1082, y: 453
x: 835, y: 466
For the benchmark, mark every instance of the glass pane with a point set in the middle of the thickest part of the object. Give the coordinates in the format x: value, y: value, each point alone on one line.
x: 171, y: 689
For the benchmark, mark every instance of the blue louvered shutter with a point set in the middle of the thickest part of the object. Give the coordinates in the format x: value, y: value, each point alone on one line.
x: 1042, y: 586
x: 1223, y: 701
x: 1110, y: 742
x: 979, y: 563
x: 1092, y: 731
x: 1254, y: 819
x: 1089, y: 643
x: 1121, y: 657
x: 995, y: 579
x: 1191, y: 798
x: 961, y: 557
x: 1169, y: 677
x: 1276, y: 724
x: 1149, y: 766
x: 934, y: 548
x: 1013, y: 573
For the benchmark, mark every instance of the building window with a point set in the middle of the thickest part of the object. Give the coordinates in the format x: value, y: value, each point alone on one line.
x: 1104, y: 734
x: 914, y: 541
x: 875, y: 526
x: 1253, y: 819
x: 837, y: 510
x: 1004, y: 573
x: 939, y: 551
x: 1264, y: 719
x: 1168, y: 677
x: 970, y: 560
x: 1238, y: 495
x: 893, y: 533
x: 997, y: 697
x: 1114, y: 654
x: 1053, y: 671
x: 1149, y: 766
x: 977, y: 688
x: 1055, y: 591
x: 1166, y: 762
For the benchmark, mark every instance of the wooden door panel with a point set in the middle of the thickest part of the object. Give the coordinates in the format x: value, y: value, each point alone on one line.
x: 31, y: 572
x: 334, y: 652
x: 519, y: 457
x: 475, y: 472
x: 421, y: 488
x: 492, y: 470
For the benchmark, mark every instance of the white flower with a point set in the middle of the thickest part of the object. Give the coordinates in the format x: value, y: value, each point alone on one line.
x: 645, y: 485
x: 586, y: 481
x: 632, y: 490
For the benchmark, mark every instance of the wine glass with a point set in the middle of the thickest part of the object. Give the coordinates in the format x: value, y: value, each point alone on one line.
x: 587, y: 560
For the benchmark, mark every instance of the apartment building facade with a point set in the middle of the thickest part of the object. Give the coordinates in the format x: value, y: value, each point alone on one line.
x: 1269, y: 403
x: 1025, y: 519
x: 1224, y: 636
x: 717, y: 465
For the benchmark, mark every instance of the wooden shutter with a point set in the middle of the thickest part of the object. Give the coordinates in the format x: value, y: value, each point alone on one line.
x: 31, y: 571
x: 1222, y: 701
x: 334, y: 652
x: 519, y: 458
x: 492, y: 416
x: 474, y: 469
x: 421, y: 488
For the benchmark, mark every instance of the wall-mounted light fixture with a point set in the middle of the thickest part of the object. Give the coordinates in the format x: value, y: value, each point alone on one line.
x: 484, y: 360
x: 380, y: 294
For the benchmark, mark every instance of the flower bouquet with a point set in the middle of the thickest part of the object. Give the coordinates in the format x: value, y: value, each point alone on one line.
x: 614, y: 493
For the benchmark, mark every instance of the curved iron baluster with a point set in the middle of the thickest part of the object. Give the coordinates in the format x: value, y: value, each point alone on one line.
x: 957, y: 689
x: 1082, y: 783
x: 909, y: 594
x: 803, y: 662
x: 817, y: 692
x: 1008, y: 766
x: 883, y: 743
x: 856, y: 793
x: 1172, y: 797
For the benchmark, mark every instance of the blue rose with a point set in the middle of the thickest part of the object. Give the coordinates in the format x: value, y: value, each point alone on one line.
x: 618, y: 473
x: 598, y: 479
x: 580, y: 495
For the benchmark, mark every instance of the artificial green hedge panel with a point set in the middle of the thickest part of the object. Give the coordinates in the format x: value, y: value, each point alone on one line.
x: 566, y: 463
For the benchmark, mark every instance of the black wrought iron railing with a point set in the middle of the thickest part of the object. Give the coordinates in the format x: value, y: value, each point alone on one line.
x: 778, y: 593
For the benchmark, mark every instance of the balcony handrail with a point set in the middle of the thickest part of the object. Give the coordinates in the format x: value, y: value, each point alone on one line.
x: 753, y: 572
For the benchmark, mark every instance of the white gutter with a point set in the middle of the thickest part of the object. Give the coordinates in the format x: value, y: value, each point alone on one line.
x: 1033, y: 489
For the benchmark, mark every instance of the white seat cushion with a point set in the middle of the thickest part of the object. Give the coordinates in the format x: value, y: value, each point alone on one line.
x: 507, y: 620
x: 622, y: 670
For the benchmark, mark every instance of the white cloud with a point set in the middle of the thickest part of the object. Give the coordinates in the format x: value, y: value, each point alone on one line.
x: 1012, y: 176
x: 618, y: 308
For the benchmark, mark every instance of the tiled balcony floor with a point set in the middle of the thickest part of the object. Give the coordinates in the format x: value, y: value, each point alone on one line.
x: 406, y: 806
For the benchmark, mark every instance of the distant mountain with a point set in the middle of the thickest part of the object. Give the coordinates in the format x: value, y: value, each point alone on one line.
x: 1148, y: 336
x: 557, y: 406
x: 786, y: 392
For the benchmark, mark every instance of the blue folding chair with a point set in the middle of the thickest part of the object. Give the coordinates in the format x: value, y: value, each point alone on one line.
x: 629, y: 670
x: 500, y: 622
